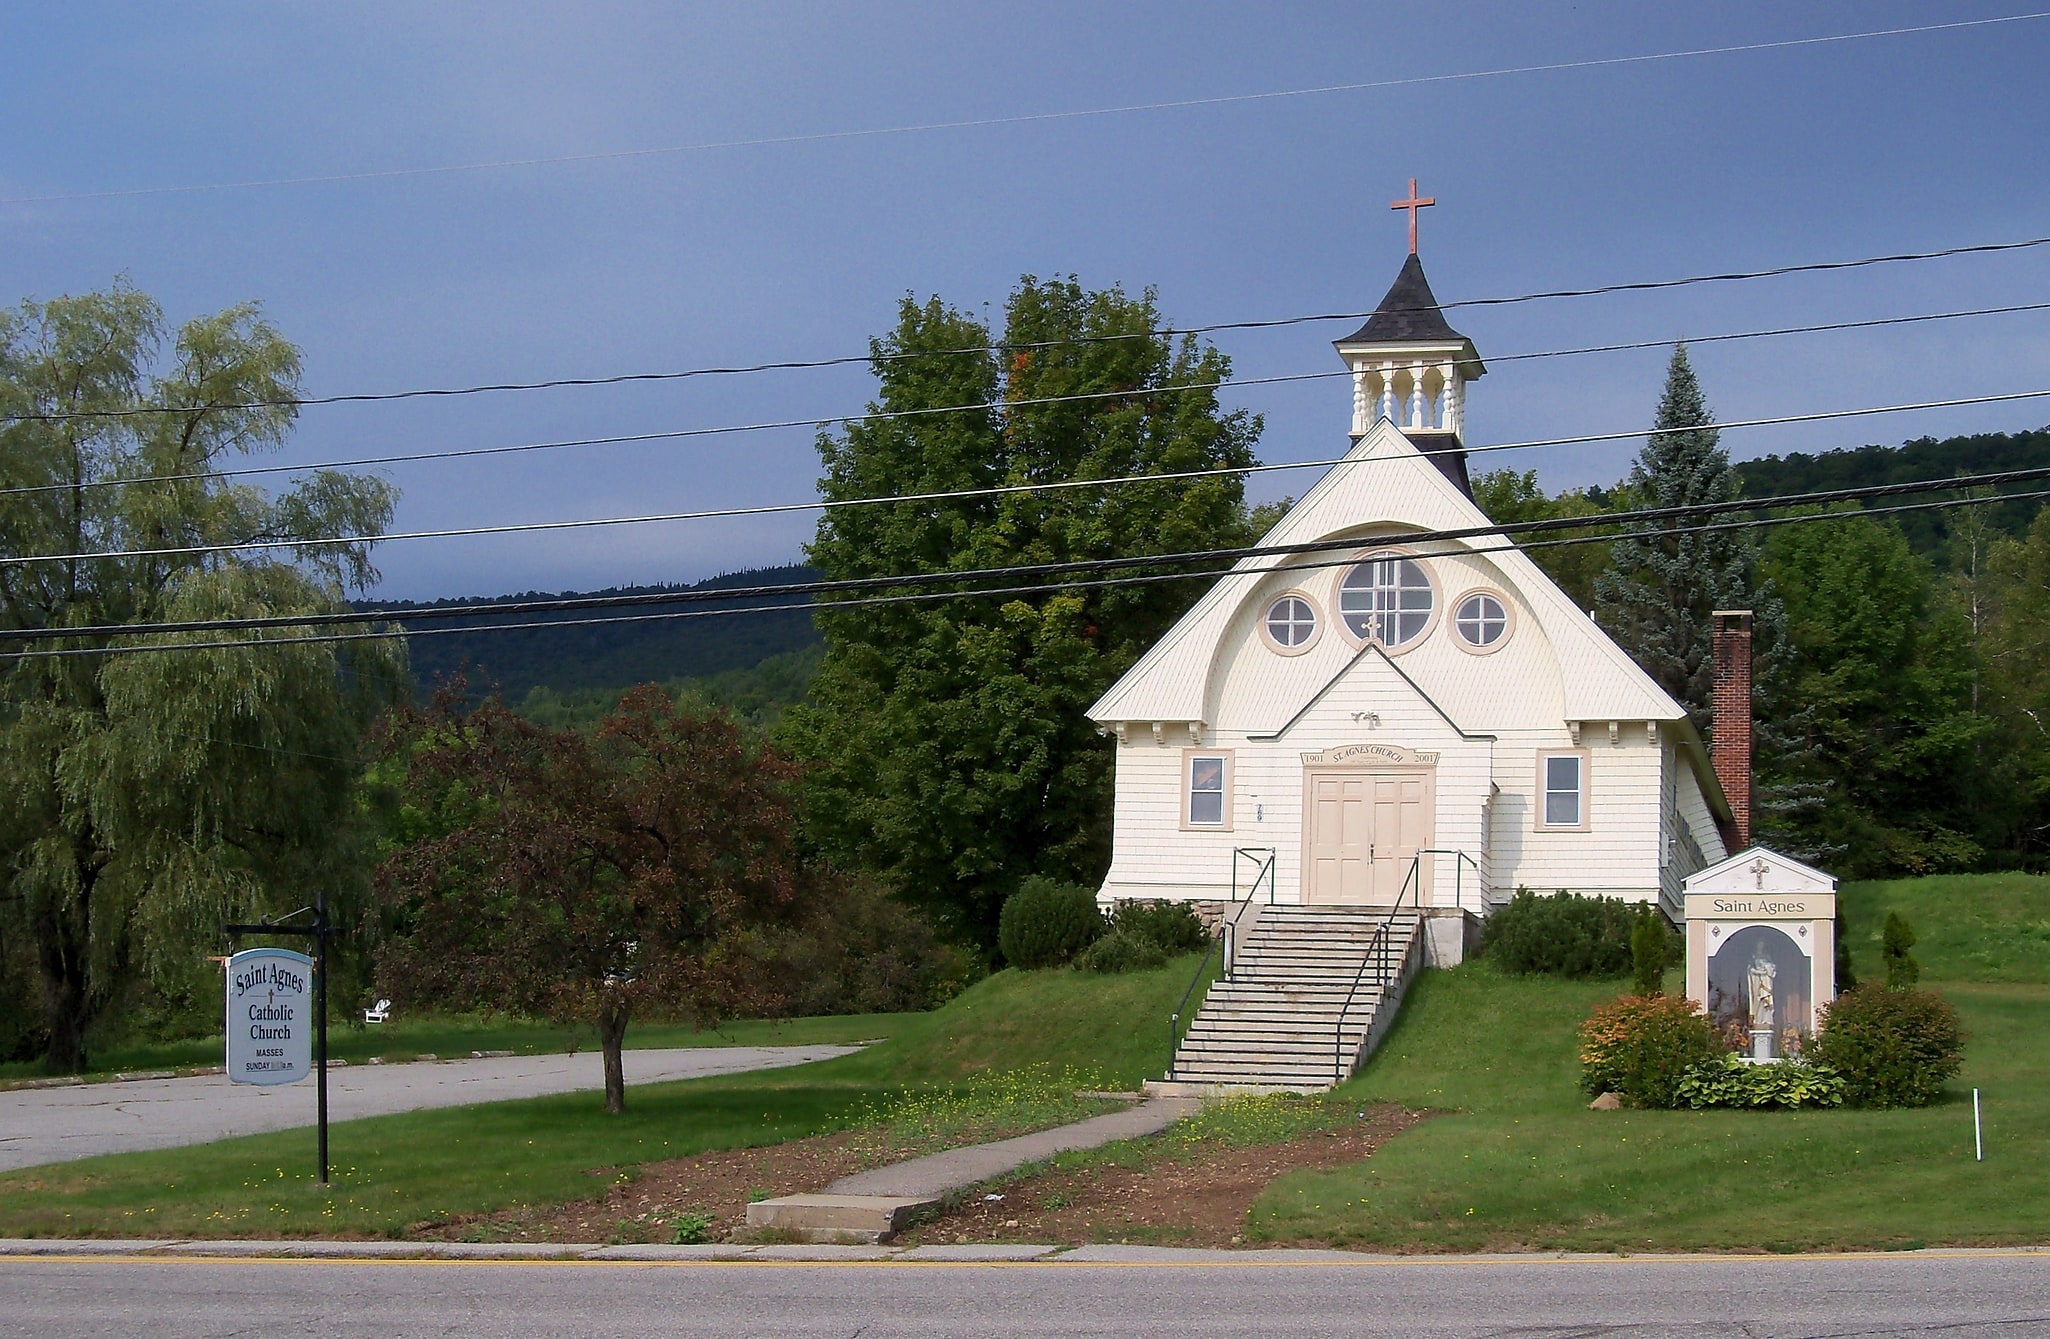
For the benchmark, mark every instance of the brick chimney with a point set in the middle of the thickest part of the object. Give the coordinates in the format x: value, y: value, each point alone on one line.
x: 1730, y: 719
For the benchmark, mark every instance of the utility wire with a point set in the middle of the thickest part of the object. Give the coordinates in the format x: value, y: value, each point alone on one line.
x: 532, y: 527
x: 1165, y: 332
x: 842, y: 586
x: 1027, y: 118
x: 1042, y: 588
x: 878, y: 416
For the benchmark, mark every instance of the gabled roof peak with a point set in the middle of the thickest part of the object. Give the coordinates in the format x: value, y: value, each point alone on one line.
x: 1407, y: 315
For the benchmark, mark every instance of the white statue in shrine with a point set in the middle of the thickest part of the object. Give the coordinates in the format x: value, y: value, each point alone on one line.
x: 1758, y: 979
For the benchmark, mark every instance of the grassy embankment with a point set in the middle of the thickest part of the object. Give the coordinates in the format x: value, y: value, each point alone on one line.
x: 1520, y: 1161
x: 393, y: 1171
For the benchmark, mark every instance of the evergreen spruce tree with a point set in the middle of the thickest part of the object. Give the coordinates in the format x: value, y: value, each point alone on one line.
x: 1660, y: 588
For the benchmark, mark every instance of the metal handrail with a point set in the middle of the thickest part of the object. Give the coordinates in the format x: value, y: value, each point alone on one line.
x: 1228, y: 928
x: 1458, y: 871
x: 1377, y: 948
x: 1226, y: 932
x: 1262, y: 869
x: 1174, y: 1020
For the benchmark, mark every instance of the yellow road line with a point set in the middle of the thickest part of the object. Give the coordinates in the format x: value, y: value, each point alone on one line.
x: 1248, y: 1262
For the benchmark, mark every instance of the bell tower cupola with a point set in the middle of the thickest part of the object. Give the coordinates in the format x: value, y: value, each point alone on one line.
x: 1410, y: 367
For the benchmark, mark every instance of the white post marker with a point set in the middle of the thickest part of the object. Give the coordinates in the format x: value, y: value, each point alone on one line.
x: 270, y: 1016
x: 1978, y: 1133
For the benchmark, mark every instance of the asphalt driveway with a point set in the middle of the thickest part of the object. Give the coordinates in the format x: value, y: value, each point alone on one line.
x: 40, y: 1125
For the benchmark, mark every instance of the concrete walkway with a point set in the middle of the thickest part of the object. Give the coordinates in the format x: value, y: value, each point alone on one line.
x: 958, y: 1168
x: 41, y: 1125
x: 873, y: 1206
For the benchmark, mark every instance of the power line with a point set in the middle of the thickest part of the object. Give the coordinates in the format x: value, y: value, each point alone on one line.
x: 1164, y: 332
x: 459, y: 453
x: 722, y: 513
x: 927, y: 597
x: 1027, y: 118
x: 1821, y: 497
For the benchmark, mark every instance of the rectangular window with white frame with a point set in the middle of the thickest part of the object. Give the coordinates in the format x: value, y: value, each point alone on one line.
x: 1562, y: 791
x: 1206, y: 789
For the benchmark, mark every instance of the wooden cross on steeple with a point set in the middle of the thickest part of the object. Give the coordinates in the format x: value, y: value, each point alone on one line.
x: 1413, y: 204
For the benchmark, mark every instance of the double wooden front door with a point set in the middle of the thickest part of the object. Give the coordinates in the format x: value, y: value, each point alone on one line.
x: 1362, y: 831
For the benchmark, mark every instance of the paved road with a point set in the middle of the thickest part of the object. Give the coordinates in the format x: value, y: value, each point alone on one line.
x: 1794, y: 1297
x: 39, y: 1125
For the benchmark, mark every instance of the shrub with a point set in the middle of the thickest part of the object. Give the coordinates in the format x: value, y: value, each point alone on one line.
x: 1650, y: 942
x: 1895, y: 939
x: 1730, y: 1081
x: 1640, y: 1048
x: 1121, y: 951
x: 1894, y: 1048
x: 866, y: 953
x: 1173, y: 926
x: 1045, y: 923
x: 1562, y: 935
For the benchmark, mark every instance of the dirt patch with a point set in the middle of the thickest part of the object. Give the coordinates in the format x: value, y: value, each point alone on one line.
x: 711, y: 1192
x: 647, y: 1204
x: 1193, y: 1195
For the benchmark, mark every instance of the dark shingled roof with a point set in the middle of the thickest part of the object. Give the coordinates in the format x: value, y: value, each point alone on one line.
x: 1445, y: 452
x: 1408, y: 315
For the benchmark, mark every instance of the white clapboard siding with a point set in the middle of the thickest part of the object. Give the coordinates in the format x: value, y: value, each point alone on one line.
x: 1557, y: 682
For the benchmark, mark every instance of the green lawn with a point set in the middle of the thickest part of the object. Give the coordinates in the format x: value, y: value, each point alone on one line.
x: 458, y: 1035
x: 394, y: 1171
x: 1968, y: 927
x: 1519, y: 1160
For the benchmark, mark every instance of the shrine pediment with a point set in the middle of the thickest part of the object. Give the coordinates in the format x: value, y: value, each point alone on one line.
x: 1759, y: 870
x: 1370, y: 755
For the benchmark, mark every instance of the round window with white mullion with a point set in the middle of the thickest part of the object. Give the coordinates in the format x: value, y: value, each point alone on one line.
x: 1387, y: 599
x: 1481, y: 620
x: 1290, y: 623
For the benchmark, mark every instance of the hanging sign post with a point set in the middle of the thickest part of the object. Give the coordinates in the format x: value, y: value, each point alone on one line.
x: 277, y: 1012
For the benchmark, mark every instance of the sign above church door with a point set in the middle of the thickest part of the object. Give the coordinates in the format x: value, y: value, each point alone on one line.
x: 1354, y: 755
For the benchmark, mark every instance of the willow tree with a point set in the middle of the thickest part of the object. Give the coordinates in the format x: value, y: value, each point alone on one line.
x: 146, y: 794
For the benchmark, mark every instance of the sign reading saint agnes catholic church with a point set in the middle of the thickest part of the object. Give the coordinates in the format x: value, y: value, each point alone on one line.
x: 270, y: 1016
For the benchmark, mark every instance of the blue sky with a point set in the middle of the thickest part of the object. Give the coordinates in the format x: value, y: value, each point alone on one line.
x: 1234, y: 211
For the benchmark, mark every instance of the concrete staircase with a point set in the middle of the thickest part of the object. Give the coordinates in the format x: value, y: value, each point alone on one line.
x: 1274, y: 1022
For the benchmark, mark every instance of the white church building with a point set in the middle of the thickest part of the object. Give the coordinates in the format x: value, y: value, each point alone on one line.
x: 1380, y: 713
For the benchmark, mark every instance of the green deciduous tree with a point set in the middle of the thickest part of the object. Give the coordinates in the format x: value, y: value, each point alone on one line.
x: 1508, y: 496
x: 145, y: 796
x: 1881, y: 667
x: 2016, y: 641
x: 949, y: 747
x: 587, y: 878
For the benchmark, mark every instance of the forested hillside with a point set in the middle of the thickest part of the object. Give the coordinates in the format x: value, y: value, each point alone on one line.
x: 1928, y: 532
x: 1903, y: 691
x: 600, y: 658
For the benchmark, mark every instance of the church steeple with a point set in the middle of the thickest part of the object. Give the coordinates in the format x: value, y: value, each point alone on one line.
x: 1410, y: 366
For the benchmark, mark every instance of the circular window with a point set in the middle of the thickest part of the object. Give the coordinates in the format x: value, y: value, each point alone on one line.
x: 1291, y: 623
x: 1481, y: 620
x: 1386, y: 599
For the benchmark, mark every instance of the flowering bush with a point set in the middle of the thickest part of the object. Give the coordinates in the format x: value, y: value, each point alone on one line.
x: 1640, y: 1047
x: 1732, y: 1082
